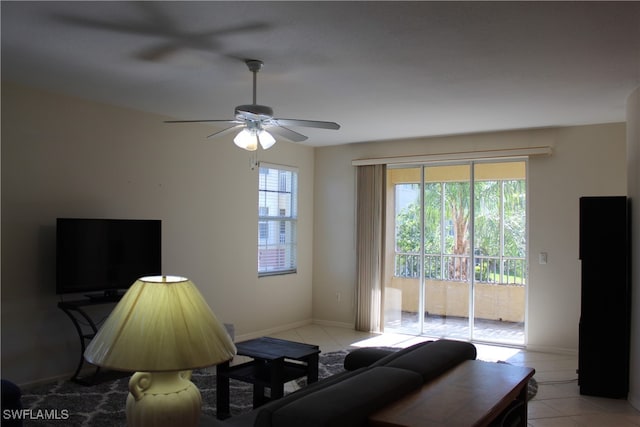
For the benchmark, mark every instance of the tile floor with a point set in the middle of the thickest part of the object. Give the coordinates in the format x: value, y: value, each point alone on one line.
x: 557, y: 404
x: 505, y: 333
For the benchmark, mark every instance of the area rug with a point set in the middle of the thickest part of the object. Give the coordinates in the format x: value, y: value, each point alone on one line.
x: 68, y: 404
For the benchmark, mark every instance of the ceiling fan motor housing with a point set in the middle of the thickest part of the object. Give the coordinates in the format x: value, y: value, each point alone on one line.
x: 253, y: 112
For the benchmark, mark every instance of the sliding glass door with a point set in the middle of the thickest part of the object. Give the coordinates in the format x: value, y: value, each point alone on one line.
x: 500, y: 252
x: 456, y: 263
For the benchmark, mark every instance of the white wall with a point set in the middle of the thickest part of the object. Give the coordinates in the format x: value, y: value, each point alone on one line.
x: 633, y: 179
x: 64, y: 157
x: 586, y: 160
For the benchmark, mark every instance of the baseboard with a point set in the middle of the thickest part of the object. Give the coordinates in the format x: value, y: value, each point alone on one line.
x: 294, y: 325
x: 333, y: 324
x: 271, y: 331
x: 45, y: 380
x: 556, y: 350
x: 634, y: 400
x: 86, y: 371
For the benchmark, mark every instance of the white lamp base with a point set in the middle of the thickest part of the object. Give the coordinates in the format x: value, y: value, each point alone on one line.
x: 159, y: 399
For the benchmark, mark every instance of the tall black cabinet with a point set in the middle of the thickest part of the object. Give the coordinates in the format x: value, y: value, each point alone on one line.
x: 603, y: 358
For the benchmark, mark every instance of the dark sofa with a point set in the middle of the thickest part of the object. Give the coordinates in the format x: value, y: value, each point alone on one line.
x: 373, y: 379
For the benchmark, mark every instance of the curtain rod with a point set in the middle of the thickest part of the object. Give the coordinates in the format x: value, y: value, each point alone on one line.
x: 465, y: 155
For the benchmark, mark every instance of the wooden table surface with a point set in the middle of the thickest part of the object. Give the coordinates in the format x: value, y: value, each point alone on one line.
x: 472, y: 394
x: 267, y: 348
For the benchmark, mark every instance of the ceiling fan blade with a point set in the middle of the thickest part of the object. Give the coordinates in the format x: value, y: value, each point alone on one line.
x: 307, y: 123
x: 225, y: 131
x: 232, y: 122
x: 286, y: 133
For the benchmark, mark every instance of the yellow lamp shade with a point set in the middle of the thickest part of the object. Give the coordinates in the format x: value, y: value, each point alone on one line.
x: 161, y: 324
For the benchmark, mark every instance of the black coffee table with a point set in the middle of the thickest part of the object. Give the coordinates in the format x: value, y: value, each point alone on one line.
x: 275, y: 362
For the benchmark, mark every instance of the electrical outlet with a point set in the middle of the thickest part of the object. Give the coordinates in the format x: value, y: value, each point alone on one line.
x: 542, y: 258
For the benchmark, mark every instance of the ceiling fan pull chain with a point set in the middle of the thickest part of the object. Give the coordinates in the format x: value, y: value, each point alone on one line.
x: 253, y: 160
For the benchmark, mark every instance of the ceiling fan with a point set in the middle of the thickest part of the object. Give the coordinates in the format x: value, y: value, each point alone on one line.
x: 256, y: 122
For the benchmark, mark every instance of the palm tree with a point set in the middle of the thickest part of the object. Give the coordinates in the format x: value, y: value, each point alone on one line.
x: 456, y: 195
x: 448, y: 203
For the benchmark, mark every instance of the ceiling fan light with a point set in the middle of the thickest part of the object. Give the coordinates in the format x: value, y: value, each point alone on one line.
x: 266, y: 139
x: 246, y: 140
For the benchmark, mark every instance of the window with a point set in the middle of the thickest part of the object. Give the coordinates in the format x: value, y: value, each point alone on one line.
x: 263, y: 226
x: 277, y: 219
x: 499, y: 226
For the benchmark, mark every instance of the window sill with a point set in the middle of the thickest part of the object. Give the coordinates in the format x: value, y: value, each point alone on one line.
x: 277, y: 273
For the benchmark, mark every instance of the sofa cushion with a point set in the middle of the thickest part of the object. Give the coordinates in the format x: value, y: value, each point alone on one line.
x: 265, y: 413
x: 392, y: 356
x: 436, y: 358
x: 348, y: 403
x: 375, y: 356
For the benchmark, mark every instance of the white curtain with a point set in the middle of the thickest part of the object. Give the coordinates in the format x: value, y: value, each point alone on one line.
x: 370, y: 194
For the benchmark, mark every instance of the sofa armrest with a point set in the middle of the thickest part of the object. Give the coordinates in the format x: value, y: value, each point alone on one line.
x: 246, y: 419
x: 366, y: 356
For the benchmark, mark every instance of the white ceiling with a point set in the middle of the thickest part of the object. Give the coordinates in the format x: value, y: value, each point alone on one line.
x: 383, y: 70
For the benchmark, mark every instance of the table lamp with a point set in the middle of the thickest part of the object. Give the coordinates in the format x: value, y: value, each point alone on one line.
x: 161, y: 328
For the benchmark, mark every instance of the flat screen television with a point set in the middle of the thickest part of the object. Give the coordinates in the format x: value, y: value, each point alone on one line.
x: 105, y: 256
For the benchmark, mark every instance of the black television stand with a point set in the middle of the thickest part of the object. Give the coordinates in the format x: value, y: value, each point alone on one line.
x: 112, y: 295
x: 79, y: 317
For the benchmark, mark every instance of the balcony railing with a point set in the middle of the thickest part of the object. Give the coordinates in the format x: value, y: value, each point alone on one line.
x: 487, y: 269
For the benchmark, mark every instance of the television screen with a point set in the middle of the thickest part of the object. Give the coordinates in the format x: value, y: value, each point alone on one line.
x: 104, y: 255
